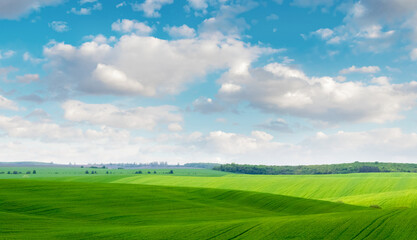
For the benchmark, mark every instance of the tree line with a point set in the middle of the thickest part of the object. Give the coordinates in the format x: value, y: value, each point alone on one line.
x: 19, y: 172
x: 356, y: 167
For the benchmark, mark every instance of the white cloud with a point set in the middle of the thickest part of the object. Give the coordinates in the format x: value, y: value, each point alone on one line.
x: 226, y: 20
x: 312, y: 3
x: 199, y: 5
x: 230, y: 88
x: 86, y: 10
x: 17, y: 127
x: 122, y: 4
x: 133, y: 65
x: 136, y: 118
x: 183, y: 31
x: 376, y: 25
x: 59, y: 26
x: 81, y: 11
x: 6, y: 54
x: 28, y: 78
x: 87, y: 1
x: 151, y: 7
x: 324, y: 33
x: 27, y: 57
x: 366, y: 69
x: 115, y: 80
x: 101, y: 39
x: 207, y: 105
x: 20, y: 128
x: 272, y: 17
x: 175, y: 127
x: 46, y: 141
x: 276, y: 88
x: 278, y: 125
x: 374, y: 32
x: 7, y: 104
x: 389, y: 145
x: 13, y: 9
x: 128, y: 26
x: 233, y: 144
x: 5, y: 71
x: 383, y: 80
x: 413, y: 54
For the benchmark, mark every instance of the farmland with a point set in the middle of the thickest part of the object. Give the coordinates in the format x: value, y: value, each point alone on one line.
x: 67, y: 203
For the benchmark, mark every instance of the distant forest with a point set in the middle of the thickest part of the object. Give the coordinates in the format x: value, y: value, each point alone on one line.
x: 356, y: 167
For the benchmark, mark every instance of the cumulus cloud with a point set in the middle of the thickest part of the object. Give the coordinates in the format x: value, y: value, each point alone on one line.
x: 109, y: 115
x: 413, y: 54
x: 32, y: 98
x: 388, y: 144
x: 232, y: 143
x: 272, y: 17
x: 86, y: 10
x: 21, y: 128
x: 207, y: 105
x: 18, y: 127
x: 6, y: 54
x: 5, y: 71
x: 278, y: 125
x: 326, y: 34
x: 174, y: 127
x: 48, y: 141
x: 27, y: 57
x: 151, y: 7
x: 87, y: 1
x: 133, y: 65
x: 312, y: 3
x: 12, y: 9
x: 374, y: 25
x: 28, y: 78
x: 227, y: 19
x: 383, y: 80
x: 277, y: 88
x: 59, y: 26
x: 7, y: 104
x: 183, y: 31
x: 81, y: 11
x: 366, y: 69
x: 122, y: 4
x: 129, y: 26
x: 199, y: 5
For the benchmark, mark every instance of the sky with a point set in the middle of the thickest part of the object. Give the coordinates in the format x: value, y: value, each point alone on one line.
x: 278, y: 82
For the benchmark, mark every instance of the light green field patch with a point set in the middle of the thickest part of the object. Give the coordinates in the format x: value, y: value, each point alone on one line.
x: 334, y: 187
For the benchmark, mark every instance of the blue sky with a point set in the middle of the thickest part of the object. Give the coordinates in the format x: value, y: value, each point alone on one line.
x: 281, y: 82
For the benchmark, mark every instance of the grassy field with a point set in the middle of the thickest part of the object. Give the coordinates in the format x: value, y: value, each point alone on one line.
x: 66, y: 203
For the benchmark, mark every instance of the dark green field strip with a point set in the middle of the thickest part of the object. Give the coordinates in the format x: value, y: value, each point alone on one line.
x: 359, y: 224
x: 122, y: 202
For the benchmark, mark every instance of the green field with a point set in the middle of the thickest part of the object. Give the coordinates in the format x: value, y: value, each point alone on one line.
x: 66, y: 203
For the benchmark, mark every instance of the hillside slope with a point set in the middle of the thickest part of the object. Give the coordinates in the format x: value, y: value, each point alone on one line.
x: 71, y: 210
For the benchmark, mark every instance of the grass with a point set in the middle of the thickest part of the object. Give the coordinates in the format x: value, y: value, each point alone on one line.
x: 204, y: 204
x: 385, y: 189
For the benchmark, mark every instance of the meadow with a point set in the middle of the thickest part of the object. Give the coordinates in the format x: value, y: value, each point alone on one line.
x: 67, y: 203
